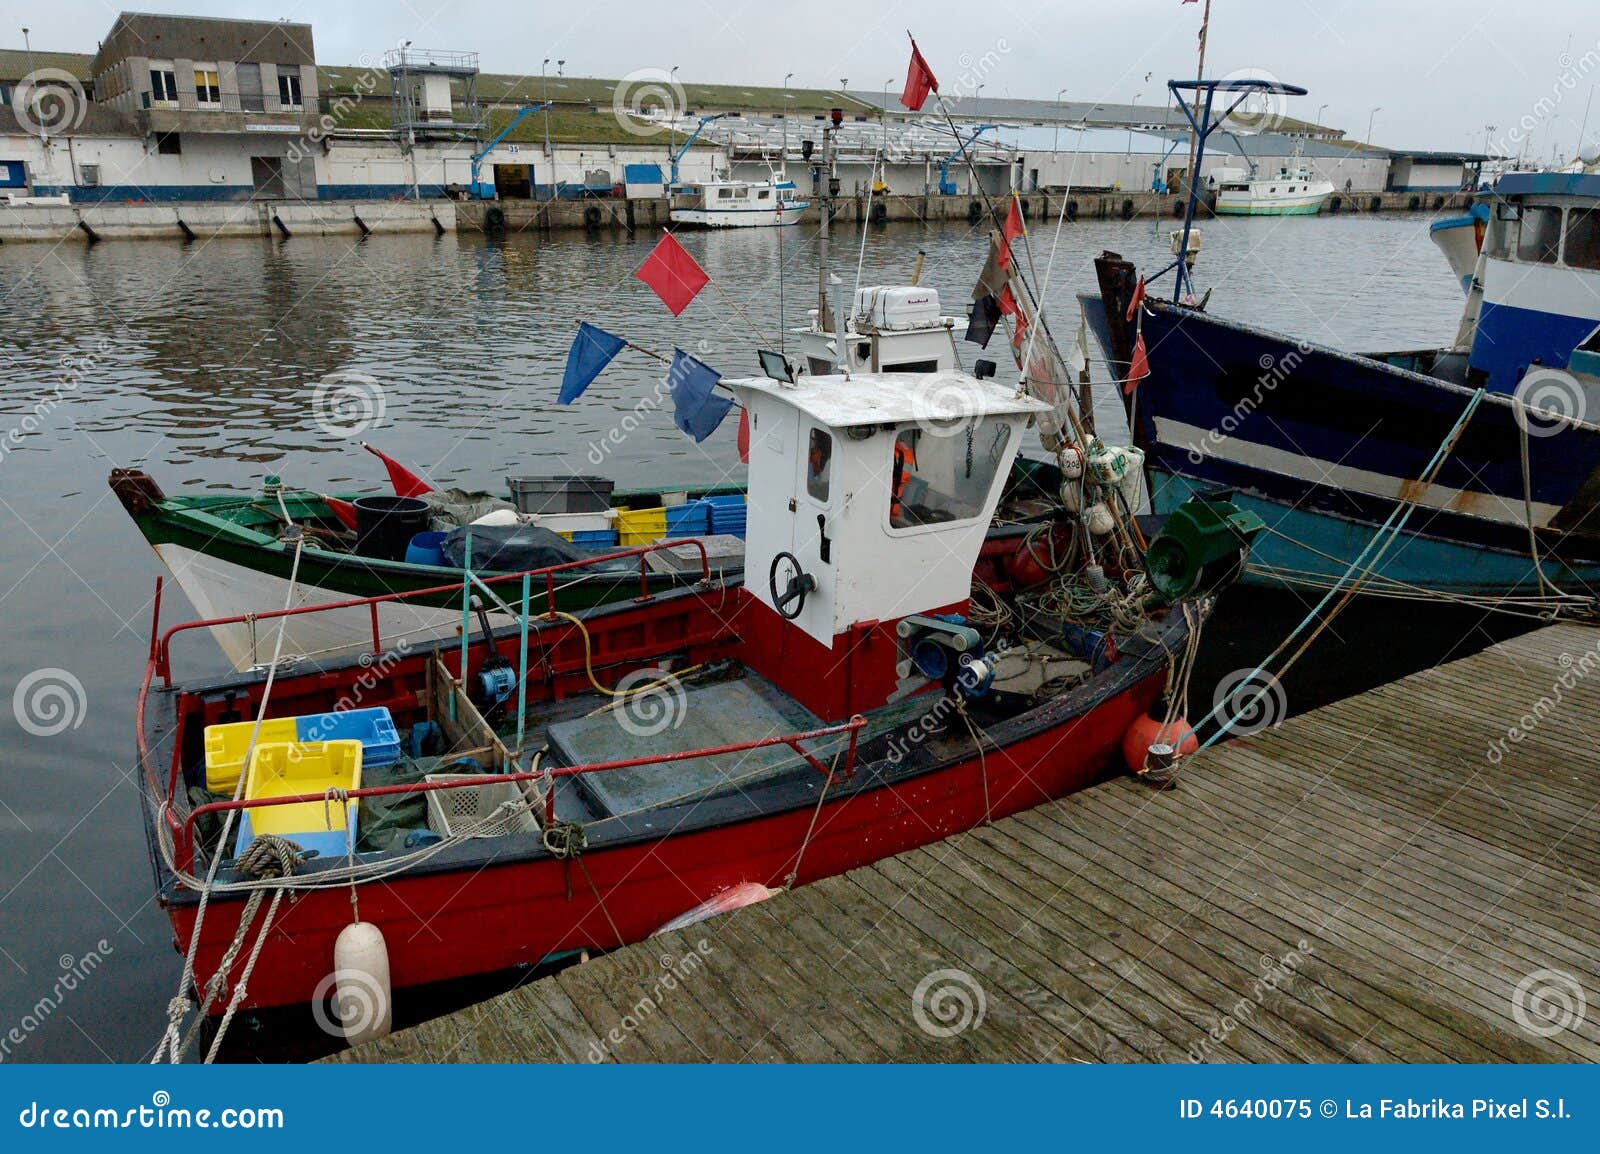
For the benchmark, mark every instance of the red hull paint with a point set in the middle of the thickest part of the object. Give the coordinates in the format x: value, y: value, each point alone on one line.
x: 451, y: 925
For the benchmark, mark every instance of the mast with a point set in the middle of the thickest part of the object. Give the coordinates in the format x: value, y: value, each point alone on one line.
x: 825, y: 185
x: 1205, y: 28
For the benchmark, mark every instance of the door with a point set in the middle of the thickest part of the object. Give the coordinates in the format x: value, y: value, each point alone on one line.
x: 266, y: 175
x: 248, y: 77
x: 512, y: 182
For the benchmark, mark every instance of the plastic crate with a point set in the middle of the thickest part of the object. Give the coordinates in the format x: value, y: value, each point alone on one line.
x: 641, y: 526
x: 284, y: 769
x: 226, y: 744
x: 690, y: 520
x: 606, y: 539
x: 474, y: 811
x: 560, y: 494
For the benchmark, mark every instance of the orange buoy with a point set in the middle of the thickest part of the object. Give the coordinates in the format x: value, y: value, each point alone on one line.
x: 1151, y: 730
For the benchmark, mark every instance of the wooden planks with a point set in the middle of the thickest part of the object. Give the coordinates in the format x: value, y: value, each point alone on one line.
x: 1391, y: 878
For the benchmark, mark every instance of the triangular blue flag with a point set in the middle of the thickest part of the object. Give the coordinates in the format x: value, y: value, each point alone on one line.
x: 592, y: 350
x: 697, y: 410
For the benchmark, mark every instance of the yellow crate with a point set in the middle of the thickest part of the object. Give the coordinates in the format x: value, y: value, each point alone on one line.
x: 287, y: 769
x: 226, y: 746
x: 641, y: 526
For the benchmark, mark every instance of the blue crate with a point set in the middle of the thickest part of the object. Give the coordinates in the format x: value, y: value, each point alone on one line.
x: 373, y: 728
x: 595, y: 538
x: 692, y: 519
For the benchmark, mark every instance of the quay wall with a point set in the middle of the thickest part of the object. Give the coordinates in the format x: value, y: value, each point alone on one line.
x: 207, y: 220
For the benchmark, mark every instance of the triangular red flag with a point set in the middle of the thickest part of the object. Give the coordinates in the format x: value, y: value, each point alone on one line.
x: 1008, y: 302
x: 920, y: 80
x: 1138, y: 366
x: 672, y: 274
x: 1136, y: 301
x: 344, y: 510
x: 405, y: 482
x: 744, y: 436
x: 1013, y: 229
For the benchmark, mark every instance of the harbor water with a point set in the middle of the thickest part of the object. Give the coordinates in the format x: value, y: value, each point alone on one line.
x: 214, y: 365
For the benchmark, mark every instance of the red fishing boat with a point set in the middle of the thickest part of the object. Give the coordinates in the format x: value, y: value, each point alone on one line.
x: 887, y: 677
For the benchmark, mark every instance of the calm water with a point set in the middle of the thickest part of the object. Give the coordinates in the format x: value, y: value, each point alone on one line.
x: 199, y: 364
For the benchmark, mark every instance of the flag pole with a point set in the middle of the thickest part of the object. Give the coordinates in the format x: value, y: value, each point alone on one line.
x: 1205, y: 29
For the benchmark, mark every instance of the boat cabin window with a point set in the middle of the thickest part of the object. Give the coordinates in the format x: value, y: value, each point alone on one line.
x: 1540, y: 239
x: 943, y: 473
x: 1583, y: 238
x: 763, y: 194
x: 1497, y: 241
x: 724, y: 194
x: 913, y: 367
x: 819, y: 465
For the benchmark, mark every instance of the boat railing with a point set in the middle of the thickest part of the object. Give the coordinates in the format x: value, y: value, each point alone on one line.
x: 161, y: 654
x: 844, y: 766
x: 159, y: 663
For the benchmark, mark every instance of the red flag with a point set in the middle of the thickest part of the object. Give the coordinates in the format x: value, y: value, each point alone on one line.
x: 920, y: 80
x: 744, y: 436
x: 1008, y: 302
x: 1138, y: 366
x: 1013, y: 229
x: 344, y: 510
x: 672, y: 274
x: 1136, y: 301
x: 405, y: 482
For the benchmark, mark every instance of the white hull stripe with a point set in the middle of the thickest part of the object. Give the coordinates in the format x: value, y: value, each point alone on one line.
x: 1188, y: 438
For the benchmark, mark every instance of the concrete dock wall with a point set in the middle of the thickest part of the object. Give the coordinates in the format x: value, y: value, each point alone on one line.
x: 89, y: 223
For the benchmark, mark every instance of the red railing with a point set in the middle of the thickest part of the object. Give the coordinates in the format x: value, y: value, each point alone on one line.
x: 162, y: 655
x: 853, y: 727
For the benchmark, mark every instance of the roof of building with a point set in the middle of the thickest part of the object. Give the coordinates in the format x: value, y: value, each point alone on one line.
x: 15, y: 63
x: 204, y: 38
x: 1426, y: 157
x: 841, y: 402
x: 68, y: 117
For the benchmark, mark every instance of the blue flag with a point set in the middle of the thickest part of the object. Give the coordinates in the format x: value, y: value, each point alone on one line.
x: 592, y: 350
x: 697, y: 410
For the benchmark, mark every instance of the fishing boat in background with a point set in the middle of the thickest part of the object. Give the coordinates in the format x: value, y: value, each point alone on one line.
x: 1460, y: 238
x: 1294, y: 190
x: 576, y: 780
x: 729, y: 203
x: 1467, y: 471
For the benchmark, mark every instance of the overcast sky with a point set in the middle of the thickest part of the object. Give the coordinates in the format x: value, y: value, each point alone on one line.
x: 1440, y: 69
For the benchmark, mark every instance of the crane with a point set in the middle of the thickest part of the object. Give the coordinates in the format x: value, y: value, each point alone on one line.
x: 947, y: 187
x: 672, y: 180
x: 481, y: 191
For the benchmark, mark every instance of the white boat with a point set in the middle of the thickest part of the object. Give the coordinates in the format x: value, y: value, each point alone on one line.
x: 1294, y: 190
x: 728, y: 203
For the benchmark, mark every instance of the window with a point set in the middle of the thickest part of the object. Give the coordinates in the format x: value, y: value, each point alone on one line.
x: 168, y: 144
x: 5, y: 95
x: 1497, y: 242
x: 944, y: 475
x: 206, y: 89
x: 724, y: 194
x: 289, y: 89
x: 764, y: 194
x: 913, y: 367
x: 1540, y: 241
x: 1583, y: 239
x: 163, y: 85
x: 819, y: 466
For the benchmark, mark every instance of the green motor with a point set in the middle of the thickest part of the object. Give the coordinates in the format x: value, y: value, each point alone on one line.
x: 1202, y: 547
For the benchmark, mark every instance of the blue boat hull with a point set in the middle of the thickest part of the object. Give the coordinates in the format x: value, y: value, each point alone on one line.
x: 1325, y: 446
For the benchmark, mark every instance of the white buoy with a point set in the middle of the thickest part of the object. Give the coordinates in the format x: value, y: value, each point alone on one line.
x: 361, y: 998
x: 499, y: 517
x: 1099, y: 520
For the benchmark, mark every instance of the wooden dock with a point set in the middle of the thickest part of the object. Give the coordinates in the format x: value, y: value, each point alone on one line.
x: 1367, y: 882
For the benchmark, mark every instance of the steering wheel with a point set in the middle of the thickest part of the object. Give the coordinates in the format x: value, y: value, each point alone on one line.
x: 794, y: 590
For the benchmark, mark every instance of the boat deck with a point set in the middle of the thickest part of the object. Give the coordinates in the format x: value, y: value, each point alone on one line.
x: 1363, y: 883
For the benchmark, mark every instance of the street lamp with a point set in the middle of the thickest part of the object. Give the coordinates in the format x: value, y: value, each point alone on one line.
x: 885, y: 115
x: 1320, y: 111
x: 1370, y: 116
x: 544, y: 79
x: 788, y: 76
x: 1056, y: 145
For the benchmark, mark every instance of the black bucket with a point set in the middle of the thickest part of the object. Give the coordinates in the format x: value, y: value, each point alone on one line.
x: 385, y: 525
